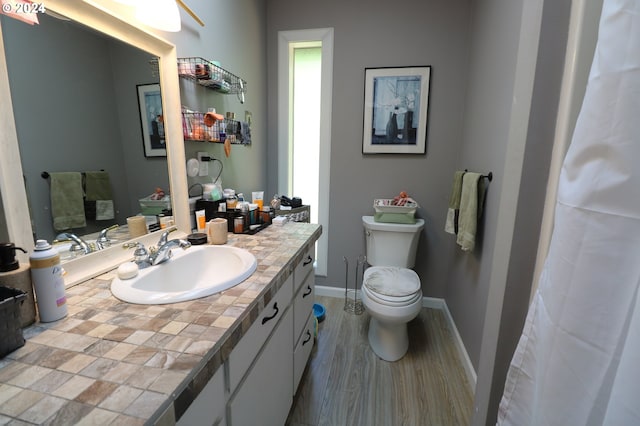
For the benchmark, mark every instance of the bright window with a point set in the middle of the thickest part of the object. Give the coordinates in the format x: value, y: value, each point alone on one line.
x: 305, y: 68
x: 306, y: 126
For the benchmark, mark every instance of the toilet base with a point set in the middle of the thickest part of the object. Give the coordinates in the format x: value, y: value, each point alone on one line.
x: 389, y: 341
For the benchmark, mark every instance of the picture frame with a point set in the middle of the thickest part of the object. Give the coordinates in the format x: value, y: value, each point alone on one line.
x: 396, y: 110
x: 151, y: 120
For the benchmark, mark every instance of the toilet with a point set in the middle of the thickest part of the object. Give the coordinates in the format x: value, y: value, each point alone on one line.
x: 391, y: 291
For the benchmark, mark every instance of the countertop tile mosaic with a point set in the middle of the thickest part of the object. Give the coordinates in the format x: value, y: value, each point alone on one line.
x: 109, y: 361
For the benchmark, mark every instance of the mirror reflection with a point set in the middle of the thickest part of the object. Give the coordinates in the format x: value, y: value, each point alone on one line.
x: 80, y: 127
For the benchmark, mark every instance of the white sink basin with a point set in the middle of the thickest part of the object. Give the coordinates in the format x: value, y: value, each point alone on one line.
x: 190, y: 274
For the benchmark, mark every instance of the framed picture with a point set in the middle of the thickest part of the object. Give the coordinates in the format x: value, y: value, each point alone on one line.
x: 396, y: 110
x: 151, y: 120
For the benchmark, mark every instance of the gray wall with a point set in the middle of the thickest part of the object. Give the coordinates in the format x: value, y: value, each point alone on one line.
x: 494, y: 47
x: 377, y: 34
x: 130, y: 67
x: 233, y: 35
x: 521, y: 157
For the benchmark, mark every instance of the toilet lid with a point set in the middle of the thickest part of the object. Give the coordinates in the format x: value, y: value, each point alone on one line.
x: 391, y: 281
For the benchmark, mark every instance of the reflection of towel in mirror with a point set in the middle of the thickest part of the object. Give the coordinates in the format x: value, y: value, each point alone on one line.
x: 98, y: 191
x: 67, y: 208
x: 471, y: 201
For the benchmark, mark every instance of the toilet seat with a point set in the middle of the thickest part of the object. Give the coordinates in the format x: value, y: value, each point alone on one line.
x: 390, y: 302
x: 392, y: 286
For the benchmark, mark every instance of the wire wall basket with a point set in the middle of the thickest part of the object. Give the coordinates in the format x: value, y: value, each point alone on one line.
x: 196, y: 128
x: 211, y: 75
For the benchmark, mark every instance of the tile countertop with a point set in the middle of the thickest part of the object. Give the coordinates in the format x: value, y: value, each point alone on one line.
x: 109, y: 361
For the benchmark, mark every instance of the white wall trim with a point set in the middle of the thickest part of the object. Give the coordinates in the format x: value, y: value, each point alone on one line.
x: 431, y: 303
x: 472, y: 377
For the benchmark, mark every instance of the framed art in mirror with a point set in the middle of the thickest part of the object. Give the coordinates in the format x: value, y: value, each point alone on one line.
x: 152, y: 120
x: 396, y: 110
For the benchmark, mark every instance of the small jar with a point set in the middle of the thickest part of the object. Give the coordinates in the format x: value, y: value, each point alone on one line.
x: 232, y: 201
x: 238, y: 225
x: 265, y: 215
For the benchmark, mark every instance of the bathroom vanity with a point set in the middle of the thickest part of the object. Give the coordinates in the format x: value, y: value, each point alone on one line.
x: 233, y: 358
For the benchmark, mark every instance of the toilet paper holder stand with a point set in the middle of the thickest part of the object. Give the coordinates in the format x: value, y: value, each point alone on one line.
x: 352, y: 297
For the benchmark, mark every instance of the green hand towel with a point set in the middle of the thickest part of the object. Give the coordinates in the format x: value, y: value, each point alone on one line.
x: 471, y: 201
x: 451, y: 225
x: 97, y: 186
x: 67, y: 205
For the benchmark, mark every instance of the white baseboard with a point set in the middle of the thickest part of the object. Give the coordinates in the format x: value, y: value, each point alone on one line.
x: 462, y: 351
x: 432, y: 303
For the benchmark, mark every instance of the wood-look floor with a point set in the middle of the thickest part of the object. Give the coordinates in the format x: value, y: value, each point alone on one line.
x: 345, y: 383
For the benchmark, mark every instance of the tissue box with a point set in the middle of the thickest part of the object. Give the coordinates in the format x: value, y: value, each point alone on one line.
x: 386, y: 212
x: 280, y: 220
x: 149, y: 207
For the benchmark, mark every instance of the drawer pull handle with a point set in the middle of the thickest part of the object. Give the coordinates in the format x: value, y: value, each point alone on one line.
x: 308, y: 261
x: 265, y: 319
x: 307, y: 339
x: 308, y: 292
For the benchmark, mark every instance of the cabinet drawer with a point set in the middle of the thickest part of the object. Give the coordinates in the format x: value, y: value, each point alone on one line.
x: 302, y: 351
x: 303, y: 268
x: 246, y: 350
x: 303, y: 305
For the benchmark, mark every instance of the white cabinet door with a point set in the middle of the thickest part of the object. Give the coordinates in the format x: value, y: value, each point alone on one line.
x: 265, y: 396
x: 209, y: 407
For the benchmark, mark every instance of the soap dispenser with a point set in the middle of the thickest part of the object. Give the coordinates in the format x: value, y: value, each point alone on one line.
x: 14, y: 274
x: 8, y: 260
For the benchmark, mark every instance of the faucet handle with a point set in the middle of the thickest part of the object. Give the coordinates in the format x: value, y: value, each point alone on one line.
x: 140, y: 254
x: 103, y: 233
x: 164, y: 237
x: 103, y: 241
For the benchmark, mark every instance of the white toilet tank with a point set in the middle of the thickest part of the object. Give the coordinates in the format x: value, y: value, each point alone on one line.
x: 391, y: 244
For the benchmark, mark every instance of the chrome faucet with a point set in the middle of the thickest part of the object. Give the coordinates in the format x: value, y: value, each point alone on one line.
x: 156, y: 256
x: 67, y: 236
x: 163, y: 253
x: 103, y: 241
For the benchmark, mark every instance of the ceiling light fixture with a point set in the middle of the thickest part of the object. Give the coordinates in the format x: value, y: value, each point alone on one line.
x: 159, y: 14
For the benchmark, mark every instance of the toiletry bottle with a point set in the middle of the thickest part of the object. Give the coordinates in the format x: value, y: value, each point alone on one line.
x: 232, y: 200
x: 46, y: 275
x: 201, y: 220
x: 265, y: 215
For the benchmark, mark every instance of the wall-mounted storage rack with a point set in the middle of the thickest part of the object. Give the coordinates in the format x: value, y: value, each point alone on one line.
x: 195, y: 129
x: 212, y: 76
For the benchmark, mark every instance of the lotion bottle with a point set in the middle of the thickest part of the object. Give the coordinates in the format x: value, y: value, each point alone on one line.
x: 46, y: 275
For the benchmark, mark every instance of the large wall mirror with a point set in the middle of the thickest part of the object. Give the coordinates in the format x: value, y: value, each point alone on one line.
x: 75, y: 82
x: 76, y: 110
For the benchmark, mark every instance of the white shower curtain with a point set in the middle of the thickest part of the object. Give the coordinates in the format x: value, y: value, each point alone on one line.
x: 578, y: 359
